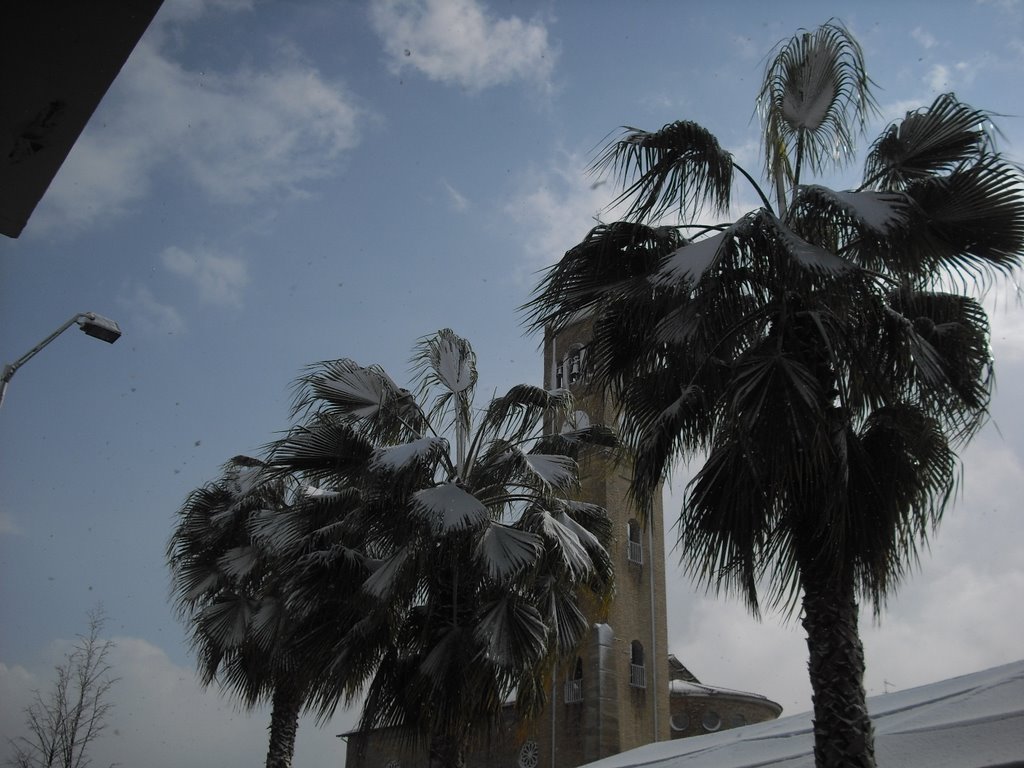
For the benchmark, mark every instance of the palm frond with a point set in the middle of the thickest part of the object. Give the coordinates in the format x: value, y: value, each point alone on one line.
x: 447, y: 508
x: 927, y: 142
x: 681, y: 167
x: 610, y: 257
x: 513, y: 632
x: 814, y: 99
x: 505, y: 551
x: 970, y: 221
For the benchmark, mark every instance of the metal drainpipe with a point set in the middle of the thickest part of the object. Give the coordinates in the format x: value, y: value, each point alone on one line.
x: 554, y: 688
x: 654, y: 633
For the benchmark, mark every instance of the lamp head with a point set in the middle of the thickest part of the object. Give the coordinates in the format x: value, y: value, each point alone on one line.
x: 99, y: 327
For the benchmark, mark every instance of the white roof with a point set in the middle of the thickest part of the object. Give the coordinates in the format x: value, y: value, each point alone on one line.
x: 965, y: 722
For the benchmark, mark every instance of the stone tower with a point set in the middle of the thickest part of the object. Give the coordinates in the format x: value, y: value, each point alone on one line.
x: 614, y: 695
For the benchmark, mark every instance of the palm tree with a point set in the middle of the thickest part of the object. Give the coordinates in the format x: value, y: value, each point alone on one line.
x: 817, y: 351
x: 239, y: 545
x: 478, y: 554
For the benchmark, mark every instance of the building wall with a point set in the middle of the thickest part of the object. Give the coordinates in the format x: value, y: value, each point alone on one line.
x: 628, y: 716
x: 696, y: 715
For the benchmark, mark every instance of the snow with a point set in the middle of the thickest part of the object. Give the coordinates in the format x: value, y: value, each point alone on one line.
x: 964, y: 722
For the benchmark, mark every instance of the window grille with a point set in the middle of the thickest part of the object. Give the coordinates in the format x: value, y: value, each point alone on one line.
x: 638, y: 676
x: 573, y: 691
x: 635, y: 552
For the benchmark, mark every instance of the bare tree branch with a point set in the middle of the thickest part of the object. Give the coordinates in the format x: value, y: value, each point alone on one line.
x: 61, y: 725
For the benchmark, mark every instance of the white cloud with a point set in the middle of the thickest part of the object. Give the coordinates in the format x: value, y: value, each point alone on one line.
x: 457, y: 199
x: 458, y: 41
x: 924, y: 38
x: 163, y: 719
x: 555, y: 207
x: 237, y: 136
x: 220, y: 279
x: 149, y: 316
x: 938, y: 78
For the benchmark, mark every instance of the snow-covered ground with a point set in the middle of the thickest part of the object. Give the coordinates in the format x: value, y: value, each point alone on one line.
x: 964, y: 722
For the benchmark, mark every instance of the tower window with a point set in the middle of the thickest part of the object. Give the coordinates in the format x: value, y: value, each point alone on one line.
x: 634, y: 544
x: 570, y: 370
x: 574, y: 685
x: 637, y: 670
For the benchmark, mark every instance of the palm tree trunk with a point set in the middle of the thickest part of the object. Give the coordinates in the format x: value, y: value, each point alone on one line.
x: 284, y: 723
x: 843, y: 734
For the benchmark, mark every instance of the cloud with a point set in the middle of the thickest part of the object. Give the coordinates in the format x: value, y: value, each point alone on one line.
x: 458, y: 42
x: 457, y: 199
x: 236, y: 136
x: 149, y: 316
x: 924, y: 38
x: 220, y: 279
x: 555, y: 207
x: 956, y: 613
x: 162, y: 718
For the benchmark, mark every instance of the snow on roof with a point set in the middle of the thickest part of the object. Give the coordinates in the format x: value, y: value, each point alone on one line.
x: 685, y: 688
x: 964, y: 722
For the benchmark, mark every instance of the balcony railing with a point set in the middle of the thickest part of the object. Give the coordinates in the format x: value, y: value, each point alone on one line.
x: 573, y: 691
x: 638, y: 676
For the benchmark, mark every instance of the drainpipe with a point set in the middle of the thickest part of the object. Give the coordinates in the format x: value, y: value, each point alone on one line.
x: 554, y: 690
x: 654, y: 633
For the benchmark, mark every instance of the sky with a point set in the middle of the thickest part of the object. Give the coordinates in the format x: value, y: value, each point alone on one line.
x: 269, y: 184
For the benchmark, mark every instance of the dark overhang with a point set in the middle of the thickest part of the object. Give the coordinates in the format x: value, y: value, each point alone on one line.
x: 57, y: 60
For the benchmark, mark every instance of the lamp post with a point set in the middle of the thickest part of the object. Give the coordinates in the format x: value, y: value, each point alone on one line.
x: 94, y: 325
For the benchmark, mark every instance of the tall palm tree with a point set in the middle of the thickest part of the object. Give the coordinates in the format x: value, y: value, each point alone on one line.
x: 816, y: 350
x: 239, y: 546
x: 478, y: 554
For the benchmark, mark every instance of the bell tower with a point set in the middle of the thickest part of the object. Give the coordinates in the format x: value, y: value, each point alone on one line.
x: 614, y: 695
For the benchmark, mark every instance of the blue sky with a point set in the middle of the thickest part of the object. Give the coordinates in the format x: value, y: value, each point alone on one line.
x: 268, y: 184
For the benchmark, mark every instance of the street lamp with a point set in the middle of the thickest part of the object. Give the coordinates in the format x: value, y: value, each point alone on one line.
x: 97, y: 326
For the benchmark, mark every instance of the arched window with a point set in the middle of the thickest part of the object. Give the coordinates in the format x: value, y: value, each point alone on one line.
x: 634, y: 544
x: 574, y: 685
x: 637, y: 670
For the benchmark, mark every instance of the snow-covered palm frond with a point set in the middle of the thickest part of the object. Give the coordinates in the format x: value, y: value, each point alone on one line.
x: 448, y: 360
x: 686, y: 265
x: 448, y: 508
x: 681, y: 167
x: 807, y: 255
x: 505, y: 551
x: 880, y: 212
x: 555, y: 471
x: 565, y: 544
x: 814, y: 99
x: 425, y: 451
